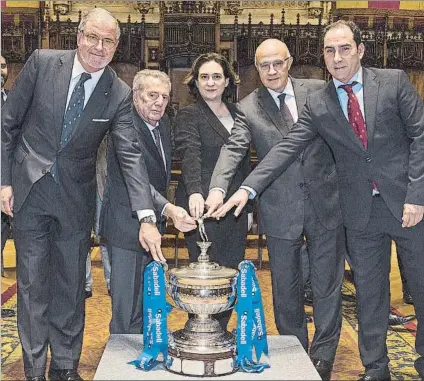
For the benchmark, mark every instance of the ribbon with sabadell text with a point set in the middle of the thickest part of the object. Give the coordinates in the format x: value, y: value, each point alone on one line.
x: 251, y: 328
x: 155, y: 313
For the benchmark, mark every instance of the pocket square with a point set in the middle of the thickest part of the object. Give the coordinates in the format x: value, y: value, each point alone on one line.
x: 100, y: 120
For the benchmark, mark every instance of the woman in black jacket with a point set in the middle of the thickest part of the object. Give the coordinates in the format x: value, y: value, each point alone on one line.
x: 201, y: 129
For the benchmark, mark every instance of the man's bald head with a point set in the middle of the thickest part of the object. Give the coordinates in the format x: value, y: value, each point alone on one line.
x: 271, y: 45
x: 273, y: 61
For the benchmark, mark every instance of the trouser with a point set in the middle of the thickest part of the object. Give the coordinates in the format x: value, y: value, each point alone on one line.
x: 327, y: 268
x: 5, y: 228
x: 370, y: 253
x: 51, y: 257
x: 103, y: 252
x: 126, y: 289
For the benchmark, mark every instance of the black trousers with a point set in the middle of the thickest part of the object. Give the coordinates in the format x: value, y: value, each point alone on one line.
x: 126, y: 288
x: 5, y: 229
x: 51, y: 257
x: 370, y: 252
x: 326, y: 255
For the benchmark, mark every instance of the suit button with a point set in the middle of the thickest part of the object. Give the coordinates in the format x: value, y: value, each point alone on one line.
x: 301, y: 185
x: 368, y: 160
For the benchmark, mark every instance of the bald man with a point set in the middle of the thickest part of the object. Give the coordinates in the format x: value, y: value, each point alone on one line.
x: 302, y: 202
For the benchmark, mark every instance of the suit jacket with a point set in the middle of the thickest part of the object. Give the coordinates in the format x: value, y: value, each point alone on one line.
x: 32, y: 121
x: 394, y: 115
x: 281, y: 203
x: 117, y: 222
x: 199, y: 136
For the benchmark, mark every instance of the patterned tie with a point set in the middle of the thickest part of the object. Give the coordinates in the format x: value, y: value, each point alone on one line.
x: 74, y: 111
x: 72, y: 116
x: 285, y: 112
x: 356, y: 119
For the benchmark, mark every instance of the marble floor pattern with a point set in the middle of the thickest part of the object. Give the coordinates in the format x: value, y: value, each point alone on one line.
x: 347, y: 365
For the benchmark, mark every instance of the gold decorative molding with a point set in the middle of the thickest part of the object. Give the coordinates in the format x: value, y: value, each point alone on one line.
x: 274, y: 4
x: 372, y: 12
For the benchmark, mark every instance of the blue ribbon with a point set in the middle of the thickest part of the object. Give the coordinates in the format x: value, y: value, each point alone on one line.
x: 251, y: 327
x: 155, y: 312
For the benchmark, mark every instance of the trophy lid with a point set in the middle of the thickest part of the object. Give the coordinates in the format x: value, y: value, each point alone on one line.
x: 203, y: 268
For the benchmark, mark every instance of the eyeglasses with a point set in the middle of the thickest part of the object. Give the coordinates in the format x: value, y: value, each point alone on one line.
x: 93, y: 40
x: 343, y: 51
x: 277, y: 65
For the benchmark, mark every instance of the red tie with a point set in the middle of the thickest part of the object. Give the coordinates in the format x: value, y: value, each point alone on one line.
x: 356, y: 119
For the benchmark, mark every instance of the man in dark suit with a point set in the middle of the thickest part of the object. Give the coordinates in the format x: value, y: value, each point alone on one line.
x: 373, y: 120
x: 60, y: 108
x: 5, y: 219
x: 304, y: 201
x: 118, y: 225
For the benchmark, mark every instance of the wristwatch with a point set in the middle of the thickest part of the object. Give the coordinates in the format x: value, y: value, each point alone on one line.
x: 148, y: 220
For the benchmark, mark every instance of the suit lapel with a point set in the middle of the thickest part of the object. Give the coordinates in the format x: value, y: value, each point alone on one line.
x: 212, y: 119
x: 164, y: 129
x: 271, y: 109
x: 141, y: 126
x: 333, y: 105
x: 98, y: 101
x: 62, y: 77
x: 300, y: 93
x: 371, y: 86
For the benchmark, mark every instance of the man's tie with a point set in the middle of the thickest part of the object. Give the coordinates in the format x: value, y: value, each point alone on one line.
x: 74, y: 110
x: 156, y: 133
x: 354, y: 113
x: 285, y: 111
x: 72, y: 116
x: 356, y: 119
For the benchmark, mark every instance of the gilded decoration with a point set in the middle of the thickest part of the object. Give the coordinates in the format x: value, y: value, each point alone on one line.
x: 274, y: 4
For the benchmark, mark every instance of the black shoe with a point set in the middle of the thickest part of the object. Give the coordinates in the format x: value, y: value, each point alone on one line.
x: 36, y: 378
x: 88, y: 294
x: 7, y: 313
x: 407, y: 298
x: 308, y: 298
x: 64, y: 375
x: 400, y: 320
x: 367, y: 377
x: 348, y: 298
x: 324, y: 368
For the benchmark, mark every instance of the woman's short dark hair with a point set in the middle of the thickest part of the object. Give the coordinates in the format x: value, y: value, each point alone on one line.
x: 192, y: 76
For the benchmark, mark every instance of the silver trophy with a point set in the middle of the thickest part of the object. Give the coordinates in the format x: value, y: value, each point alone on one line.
x: 202, y: 347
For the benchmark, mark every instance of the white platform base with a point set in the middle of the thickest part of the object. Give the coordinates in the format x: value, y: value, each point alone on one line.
x: 287, y: 358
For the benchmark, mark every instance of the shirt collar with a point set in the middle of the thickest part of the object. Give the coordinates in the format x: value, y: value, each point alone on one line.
x: 288, y: 90
x: 357, y: 77
x: 151, y: 128
x: 77, y: 70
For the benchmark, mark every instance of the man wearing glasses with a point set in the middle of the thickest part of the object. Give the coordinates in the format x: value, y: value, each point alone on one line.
x: 62, y: 105
x: 302, y: 202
